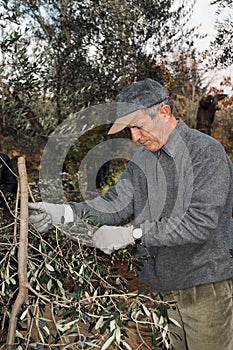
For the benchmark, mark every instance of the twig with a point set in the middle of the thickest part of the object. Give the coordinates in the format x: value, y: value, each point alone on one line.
x: 4, y: 227
x: 31, y: 194
x: 22, y: 253
x: 31, y: 324
x: 6, y: 165
x: 42, y: 297
x: 5, y: 200
x: 55, y: 325
x: 16, y: 211
x: 140, y: 336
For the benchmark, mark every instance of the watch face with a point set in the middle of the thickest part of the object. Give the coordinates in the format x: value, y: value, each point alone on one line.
x: 137, y: 233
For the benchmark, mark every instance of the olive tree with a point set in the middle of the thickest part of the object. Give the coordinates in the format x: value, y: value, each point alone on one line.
x: 70, y: 54
x: 221, y: 44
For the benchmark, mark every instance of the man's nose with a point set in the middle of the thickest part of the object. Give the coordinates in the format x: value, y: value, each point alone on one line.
x: 136, y: 134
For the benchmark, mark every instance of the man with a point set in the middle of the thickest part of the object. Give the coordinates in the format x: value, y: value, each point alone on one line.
x: 178, y: 188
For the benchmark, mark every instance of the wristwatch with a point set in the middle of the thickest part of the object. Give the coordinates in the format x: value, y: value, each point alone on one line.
x: 137, y: 235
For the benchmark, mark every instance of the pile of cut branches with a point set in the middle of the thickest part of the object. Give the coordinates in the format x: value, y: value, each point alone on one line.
x: 64, y: 295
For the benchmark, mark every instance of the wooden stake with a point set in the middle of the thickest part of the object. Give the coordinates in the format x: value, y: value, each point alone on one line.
x: 22, y: 253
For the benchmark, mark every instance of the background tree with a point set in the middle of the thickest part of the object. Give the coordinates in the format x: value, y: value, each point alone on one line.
x: 222, y: 43
x: 80, y: 53
x: 71, y: 54
x: 222, y: 3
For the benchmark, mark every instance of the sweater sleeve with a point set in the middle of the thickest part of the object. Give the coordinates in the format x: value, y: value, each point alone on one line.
x: 112, y: 208
x: 210, y: 190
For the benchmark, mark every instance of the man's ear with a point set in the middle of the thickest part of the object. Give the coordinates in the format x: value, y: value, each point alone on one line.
x: 165, y: 111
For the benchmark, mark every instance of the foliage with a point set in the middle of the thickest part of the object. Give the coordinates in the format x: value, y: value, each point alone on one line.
x: 221, y: 46
x: 75, y: 55
x: 77, y: 297
x: 222, y: 3
x: 68, y: 55
x: 222, y: 43
x: 186, y: 72
x: 111, y: 176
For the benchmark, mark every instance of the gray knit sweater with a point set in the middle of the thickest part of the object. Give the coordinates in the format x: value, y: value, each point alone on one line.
x: 181, y: 197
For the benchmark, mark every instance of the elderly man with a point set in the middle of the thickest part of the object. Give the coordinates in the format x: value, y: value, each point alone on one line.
x: 178, y: 188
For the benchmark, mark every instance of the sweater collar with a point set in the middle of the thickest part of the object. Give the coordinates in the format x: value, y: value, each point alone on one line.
x: 176, y: 139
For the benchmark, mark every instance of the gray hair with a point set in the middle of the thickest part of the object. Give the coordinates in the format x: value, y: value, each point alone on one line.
x: 154, y: 110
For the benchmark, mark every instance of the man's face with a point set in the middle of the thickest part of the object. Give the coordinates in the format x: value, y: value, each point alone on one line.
x: 152, y: 133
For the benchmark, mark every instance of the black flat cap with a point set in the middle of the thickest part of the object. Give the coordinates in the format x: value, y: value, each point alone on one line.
x: 140, y: 95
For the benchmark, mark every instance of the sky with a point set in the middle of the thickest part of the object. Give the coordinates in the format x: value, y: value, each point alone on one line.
x: 205, y: 17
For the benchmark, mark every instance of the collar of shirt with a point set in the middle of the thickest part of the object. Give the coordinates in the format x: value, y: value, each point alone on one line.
x: 175, y: 139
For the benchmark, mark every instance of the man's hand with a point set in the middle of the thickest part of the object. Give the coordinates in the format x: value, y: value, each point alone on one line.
x: 43, y: 215
x: 110, y: 238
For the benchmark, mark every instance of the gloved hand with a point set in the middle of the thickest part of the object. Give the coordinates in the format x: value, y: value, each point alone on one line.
x: 43, y: 215
x: 110, y: 238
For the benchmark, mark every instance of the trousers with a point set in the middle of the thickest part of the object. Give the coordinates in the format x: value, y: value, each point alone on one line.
x: 205, y: 314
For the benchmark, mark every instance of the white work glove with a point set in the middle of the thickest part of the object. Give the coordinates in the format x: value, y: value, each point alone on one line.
x: 110, y: 238
x: 43, y: 215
